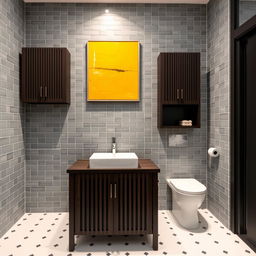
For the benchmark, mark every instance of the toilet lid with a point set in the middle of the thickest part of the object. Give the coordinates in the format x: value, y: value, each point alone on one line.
x: 189, y: 186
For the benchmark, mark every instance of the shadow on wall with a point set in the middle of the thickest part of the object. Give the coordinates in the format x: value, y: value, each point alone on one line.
x: 213, y: 163
x: 46, y: 126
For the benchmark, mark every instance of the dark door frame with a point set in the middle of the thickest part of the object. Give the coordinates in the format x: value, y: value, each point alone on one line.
x: 237, y: 151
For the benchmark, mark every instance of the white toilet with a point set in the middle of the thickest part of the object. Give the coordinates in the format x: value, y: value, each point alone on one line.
x: 187, y: 196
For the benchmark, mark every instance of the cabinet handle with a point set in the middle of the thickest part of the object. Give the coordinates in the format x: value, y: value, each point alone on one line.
x: 182, y: 94
x: 178, y: 94
x: 45, y: 91
x: 41, y: 91
x: 110, y: 191
x: 114, y: 190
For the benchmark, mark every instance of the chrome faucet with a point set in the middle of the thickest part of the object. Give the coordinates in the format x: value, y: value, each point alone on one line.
x: 113, y: 145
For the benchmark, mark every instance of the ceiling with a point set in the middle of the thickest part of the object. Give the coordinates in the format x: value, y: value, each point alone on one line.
x: 122, y: 1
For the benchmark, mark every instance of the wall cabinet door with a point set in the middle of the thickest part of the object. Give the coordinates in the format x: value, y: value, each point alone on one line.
x: 189, y: 81
x: 179, y: 78
x: 45, y: 75
x: 32, y: 75
x: 56, y: 82
x: 132, y: 203
x: 168, y: 78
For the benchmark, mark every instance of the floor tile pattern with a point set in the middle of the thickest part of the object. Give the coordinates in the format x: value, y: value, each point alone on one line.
x: 46, y: 234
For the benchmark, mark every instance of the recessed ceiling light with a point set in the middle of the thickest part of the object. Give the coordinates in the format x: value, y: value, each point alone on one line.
x: 107, y: 11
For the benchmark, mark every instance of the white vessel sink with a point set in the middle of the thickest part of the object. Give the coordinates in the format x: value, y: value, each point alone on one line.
x: 113, y: 161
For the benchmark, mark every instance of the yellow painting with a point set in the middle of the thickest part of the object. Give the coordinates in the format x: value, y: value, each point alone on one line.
x: 113, y: 71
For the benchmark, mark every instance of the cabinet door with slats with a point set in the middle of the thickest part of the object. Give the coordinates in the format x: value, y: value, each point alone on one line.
x: 132, y: 194
x: 93, y: 204
x: 189, y: 78
x: 168, y: 78
x: 55, y: 72
x: 32, y: 75
x: 45, y: 75
x: 179, y: 78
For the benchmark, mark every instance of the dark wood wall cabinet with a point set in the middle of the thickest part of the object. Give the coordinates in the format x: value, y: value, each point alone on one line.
x: 113, y: 202
x: 45, y: 75
x: 178, y: 89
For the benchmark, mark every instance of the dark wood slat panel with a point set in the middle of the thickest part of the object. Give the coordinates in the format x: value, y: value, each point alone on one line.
x: 93, y: 191
x: 130, y: 203
x: 134, y: 197
x: 139, y: 199
x: 39, y: 71
x: 101, y: 191
x: 153, y: 180
x: 91, y: 209
x: 83, y: 208
x: 129, y: 211
x: 110, y: 207
x: 77, y: 203
x: 179, y: 71
x: 125, y: 196
x: 71, y: 212
x: 139, y: 189
x: 62, y: 77
x: 166, y: 96
x: 143, y: 208
x: 55, y: 73
x: 130, y: 207
x: 87, y: 202
x: 121, y: 201
x: 48, y: 68
x: 105, y: 189
x: 65, y: 78
x: 148, y: 193
x: 96, y: 199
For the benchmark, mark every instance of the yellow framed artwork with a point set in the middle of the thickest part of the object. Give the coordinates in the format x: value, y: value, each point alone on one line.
x: 113, y: 71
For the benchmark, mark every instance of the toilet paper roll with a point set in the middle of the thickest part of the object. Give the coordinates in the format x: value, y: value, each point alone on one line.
x: 213, y: 152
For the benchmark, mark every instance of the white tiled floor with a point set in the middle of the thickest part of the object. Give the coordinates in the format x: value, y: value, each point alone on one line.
x: 41, y: 234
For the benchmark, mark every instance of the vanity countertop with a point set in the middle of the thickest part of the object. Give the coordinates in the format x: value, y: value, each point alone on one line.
x: 83, y: 165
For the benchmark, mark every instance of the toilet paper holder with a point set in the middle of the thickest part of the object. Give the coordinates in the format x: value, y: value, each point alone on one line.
x: 213, y: 152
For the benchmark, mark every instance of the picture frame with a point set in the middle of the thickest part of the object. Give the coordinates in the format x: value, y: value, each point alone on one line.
x: 113, y: 71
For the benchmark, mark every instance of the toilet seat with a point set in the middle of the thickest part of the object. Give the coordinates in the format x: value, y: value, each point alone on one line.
x: 187, y: 186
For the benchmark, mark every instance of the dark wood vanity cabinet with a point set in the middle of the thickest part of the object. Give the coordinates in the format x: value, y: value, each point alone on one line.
x: 113, y: 202
x: 178, y: 88
x: 45, y: 74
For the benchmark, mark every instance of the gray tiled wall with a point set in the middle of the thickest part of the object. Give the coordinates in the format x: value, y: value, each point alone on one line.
x: 218, y: 175
x: 247, y: 9
x: 12, y: 202
x: 58, y: 135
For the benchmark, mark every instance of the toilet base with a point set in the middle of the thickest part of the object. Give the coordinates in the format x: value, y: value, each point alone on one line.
x: 187, y: 219
x: 185, y: 205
